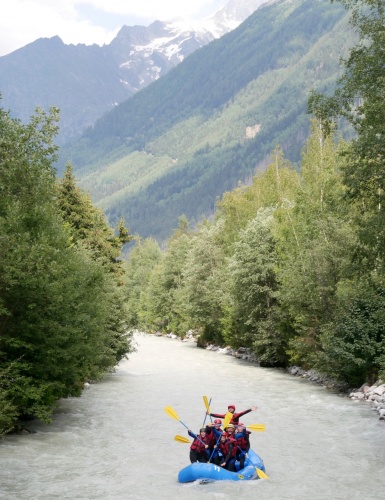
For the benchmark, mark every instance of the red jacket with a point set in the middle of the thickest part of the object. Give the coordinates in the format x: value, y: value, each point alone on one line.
x: 212, y: 439
x: 243, y: 441
x: 234, y: 419
x: 228, y: 449
x: 197, y: 445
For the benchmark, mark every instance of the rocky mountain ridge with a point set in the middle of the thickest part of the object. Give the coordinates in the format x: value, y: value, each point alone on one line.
x: 84, y: 81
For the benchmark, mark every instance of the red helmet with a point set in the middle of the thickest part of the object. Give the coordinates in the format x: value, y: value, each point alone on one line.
x: 217, y: 421
x: 224, y: 434
x: 231, y: 406
x: 240, y: 425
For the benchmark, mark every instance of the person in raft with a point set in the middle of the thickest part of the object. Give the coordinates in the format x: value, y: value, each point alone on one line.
x: 236, y: 416
x: 200, y: 445
x: 230, y: 429
x: 213, y: 431
x: 242, y: 437
x: 215, y: 454
x: 227, y: 452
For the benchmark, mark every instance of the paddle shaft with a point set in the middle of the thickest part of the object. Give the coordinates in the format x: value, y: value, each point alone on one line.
x: 216, y: 444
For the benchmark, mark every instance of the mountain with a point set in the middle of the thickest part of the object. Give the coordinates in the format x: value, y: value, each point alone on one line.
x: 86, y: 81
x: 177, y: 145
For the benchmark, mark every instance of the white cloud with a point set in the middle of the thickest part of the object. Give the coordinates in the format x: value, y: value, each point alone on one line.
x: 153, y: 9
x: 24, y: 21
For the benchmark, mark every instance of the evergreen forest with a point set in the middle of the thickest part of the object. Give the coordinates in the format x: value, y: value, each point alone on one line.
x: 63, y: 312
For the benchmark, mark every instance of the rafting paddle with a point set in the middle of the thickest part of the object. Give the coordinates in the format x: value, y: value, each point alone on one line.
x: 256, y: 427
x: 182, y: 439
x: 173, y: 414
x: 227, y: 419
x: 261, y: 474
x: 216, y: 446
x: 207, y: 404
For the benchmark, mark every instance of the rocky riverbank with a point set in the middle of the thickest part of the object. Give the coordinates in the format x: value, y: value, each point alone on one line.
x: 373, y: 395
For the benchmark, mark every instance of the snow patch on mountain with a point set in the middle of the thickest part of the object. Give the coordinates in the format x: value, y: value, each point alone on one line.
x: 146, y: 53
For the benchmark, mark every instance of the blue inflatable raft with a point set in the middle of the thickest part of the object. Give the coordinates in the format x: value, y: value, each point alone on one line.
x: 209, y: 472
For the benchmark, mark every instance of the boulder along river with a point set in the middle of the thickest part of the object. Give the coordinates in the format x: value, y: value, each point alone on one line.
x: 117, y: 442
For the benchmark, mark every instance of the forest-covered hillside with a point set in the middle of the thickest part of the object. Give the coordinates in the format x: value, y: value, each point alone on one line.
x: 177, y: 145
x: 292, y: 266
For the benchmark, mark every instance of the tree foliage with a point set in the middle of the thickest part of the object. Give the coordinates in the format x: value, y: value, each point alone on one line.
x: 271, y: 270
x: 204, y: 282
x: 143, y: 258
x: 88, y: 225
x: 360, y: 99
x: 254, y: 290
x: 62, y: 314
x: 292, y: 266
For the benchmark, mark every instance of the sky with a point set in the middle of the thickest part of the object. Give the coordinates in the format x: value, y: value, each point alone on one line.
x: 88, y: 21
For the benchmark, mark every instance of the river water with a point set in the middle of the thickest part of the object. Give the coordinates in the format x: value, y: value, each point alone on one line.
x: 117, y: 442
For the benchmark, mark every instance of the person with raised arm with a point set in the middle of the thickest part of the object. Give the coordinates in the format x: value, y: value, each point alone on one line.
x: 236, y: 416
x: 200, y: 445
x: 227, y: 452
x: 242, y: 437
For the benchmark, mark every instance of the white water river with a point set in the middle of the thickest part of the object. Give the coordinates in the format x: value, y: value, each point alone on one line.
x: 116, y: 441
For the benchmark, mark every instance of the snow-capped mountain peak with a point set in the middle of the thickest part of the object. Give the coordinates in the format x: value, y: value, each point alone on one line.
x: 145, y: 53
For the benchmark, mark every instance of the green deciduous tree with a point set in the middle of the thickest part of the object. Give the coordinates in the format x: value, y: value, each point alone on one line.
x: 315, y: 240
x: 356, y: 347
x: 360, y: 98
x: 140, y: 264
x: 159, y: 302
x: 354, y: 343
x: 204, y: 282
x: 254, y: 288
x: 272, y: 188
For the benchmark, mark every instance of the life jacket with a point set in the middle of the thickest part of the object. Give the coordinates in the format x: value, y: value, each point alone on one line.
x: 198, y: 446
x: 212, y: 439
x: 243, y: 441
x: 225, y: 447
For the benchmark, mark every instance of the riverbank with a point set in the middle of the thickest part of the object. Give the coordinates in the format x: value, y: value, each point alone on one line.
x: 369, y: 394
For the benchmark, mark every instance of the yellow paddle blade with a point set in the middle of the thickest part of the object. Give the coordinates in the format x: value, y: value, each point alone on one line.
x: 256, y: 427
x: 181, y: 439
x: 172, y: 413
x: 206, y: 402
x: 261, y: 474
x: 227, y: 419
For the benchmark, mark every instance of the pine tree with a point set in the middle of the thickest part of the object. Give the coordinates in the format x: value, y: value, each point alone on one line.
x: 88, y: 225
